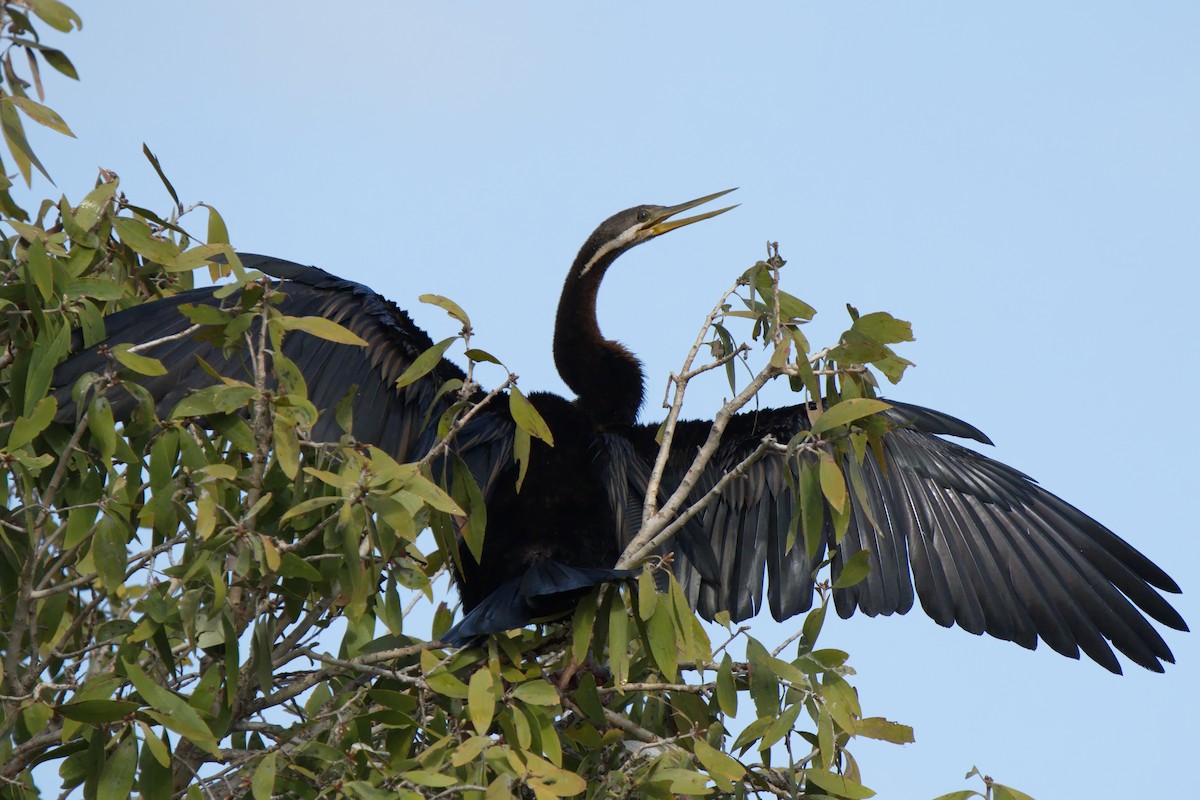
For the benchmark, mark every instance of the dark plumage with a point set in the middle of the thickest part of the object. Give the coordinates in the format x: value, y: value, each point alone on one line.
x: 978, y: 543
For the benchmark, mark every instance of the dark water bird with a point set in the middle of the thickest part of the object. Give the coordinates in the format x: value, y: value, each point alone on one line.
x: 980, y: 544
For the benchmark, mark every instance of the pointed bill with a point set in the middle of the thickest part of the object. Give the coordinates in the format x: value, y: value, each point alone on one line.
x: 661, y: 222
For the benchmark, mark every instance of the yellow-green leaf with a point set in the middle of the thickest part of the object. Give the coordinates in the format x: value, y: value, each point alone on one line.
x: 884, y: 730
x: 423, y: 364
x: 24, y: 429
x: 102, y: 426
x: 833, y: 483
x: 846, y: 412
x: 481, y: 700
x: 726, y: 688
x: 527, y: 417
x: 838, y: 785
x: 537, y: 692
x: 448, y: 305
x: 172, y: 711
x: 435, y: 780
x: 853, y: 570
x: 42, y: 114
x: 311, y: 504
x: 137, y: 235
x: 718, y: 763
x: 647, y: 594
x: 263, y: 781
x: 322, y: 328
x: 433, y: 494
x: 116, y: 778
x: 57, y: 15
x: 140, y: 364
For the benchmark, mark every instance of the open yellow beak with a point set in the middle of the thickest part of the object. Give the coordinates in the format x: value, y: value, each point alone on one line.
x: 661, y: 221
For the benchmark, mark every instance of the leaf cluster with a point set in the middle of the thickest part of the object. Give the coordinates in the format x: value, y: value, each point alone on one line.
x: 200, y: 600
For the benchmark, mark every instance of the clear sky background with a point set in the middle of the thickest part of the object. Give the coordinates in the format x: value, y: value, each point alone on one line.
x: 1021, y: 180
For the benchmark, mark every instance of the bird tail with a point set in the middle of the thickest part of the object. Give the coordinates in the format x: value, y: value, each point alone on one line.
x: 547, y: 589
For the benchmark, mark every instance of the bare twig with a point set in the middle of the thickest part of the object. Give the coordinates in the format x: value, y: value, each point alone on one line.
x: 174, y: 337
x: 649, y: 509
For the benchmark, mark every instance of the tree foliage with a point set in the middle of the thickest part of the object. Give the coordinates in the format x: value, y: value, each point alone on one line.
x: 210, y: 604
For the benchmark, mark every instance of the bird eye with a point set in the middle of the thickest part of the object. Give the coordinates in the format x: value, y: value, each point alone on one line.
x: 643, y: 215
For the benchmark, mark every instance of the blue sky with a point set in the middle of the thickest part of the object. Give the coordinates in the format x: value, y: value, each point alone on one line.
x: 1020, y: 181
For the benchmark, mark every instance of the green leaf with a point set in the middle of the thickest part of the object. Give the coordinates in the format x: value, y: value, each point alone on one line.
x: 833, y: 483
x: 153, y: 159
x: 213, y: 400
x: 94, y: 204
x: 838, y: 785
x: 1002, y: 792
x: 481, y: 700
x: 55, y: 14
x: 812, y: 508
x: 94, y: 288
x: 24, y: 429
x: 154, y: 775
x: 841, y: 701
x: 475, y: 354
x: 553, y: 780
x: 582, y: 624
x: 435, y: 780
x: 846, y: 412
x: 660, y: 631
x: 97, y: 712
x: 137, y: 234
x: 965, y: 794
x: 647, y: 594
x: 883, y: 327
x: 527, y: 417
x: 116, y: 779
x: 423, y: 364
x: 826, y: 738
x: 194, y: 257
x: 812, y: 626
x: 44, y: 358
x: 853, y: 570
x: 311, y: 504
x: 102, y: 425
x: 618, y: 637
x: 109, y: 554
x: 784, y: 725
x: 18, y: 145
x: 293, y: 566
x: 59, y: 60
x: 140, y: 364
x: 727, y: 697
x: 884, y: 730
x: 287, y: 452
x: 40, y: 270
x: 322, y: 328
x: 433, y: 494
x: 446, y: 684
x: 263, y: 781
x: 537, y: 692
x: 172, y: 711
x: 718, y: 763
x: 43, y: 115
x: 204, y: 314
x: 521, y: 444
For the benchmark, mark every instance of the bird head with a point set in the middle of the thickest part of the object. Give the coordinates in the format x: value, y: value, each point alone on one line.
x: 631, y: 227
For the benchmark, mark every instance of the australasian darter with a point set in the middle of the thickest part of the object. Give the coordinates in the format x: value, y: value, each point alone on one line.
x: 979, y: 543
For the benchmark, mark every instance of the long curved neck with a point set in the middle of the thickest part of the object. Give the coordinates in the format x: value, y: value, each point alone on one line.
x: 606, y: 377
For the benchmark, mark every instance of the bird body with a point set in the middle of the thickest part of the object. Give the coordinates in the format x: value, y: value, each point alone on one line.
x: 978, y: 543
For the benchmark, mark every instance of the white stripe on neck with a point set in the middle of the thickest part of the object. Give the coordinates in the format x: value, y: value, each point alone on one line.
x: 622, y: 240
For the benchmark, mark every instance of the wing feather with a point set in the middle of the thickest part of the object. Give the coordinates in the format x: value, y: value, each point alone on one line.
x: 978, y: 543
